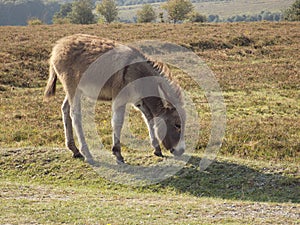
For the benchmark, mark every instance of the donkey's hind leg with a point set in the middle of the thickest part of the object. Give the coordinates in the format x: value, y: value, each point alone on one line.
x: 117, y: 123
x: 75, y: 112
x: 70, y: 143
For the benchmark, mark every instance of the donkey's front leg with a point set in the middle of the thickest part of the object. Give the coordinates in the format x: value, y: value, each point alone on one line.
x: 154, y: 141
x: 77, y: 124
x: 117, y: 123
x: 148, y: 117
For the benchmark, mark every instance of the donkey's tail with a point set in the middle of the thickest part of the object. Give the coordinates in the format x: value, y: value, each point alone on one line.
x: 51, y: 85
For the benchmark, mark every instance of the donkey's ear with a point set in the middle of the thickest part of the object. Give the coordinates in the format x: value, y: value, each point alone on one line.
x: 164, y: 97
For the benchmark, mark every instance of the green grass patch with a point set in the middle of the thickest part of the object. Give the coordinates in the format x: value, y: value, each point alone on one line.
x: 46, y: 186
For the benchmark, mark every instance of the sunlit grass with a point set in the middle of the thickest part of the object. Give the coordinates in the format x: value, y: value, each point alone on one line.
x: 258, y: 163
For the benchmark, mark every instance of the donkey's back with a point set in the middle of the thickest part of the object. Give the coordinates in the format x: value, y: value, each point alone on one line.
x: 93, y: 63
x: 70, y: 58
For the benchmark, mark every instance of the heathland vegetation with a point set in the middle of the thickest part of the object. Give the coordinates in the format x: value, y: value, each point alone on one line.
x: 254, y: 179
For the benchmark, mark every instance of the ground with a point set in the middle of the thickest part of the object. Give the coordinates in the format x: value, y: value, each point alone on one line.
x: 254, y: 179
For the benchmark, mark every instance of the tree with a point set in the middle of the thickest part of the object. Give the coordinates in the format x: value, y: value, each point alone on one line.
x: 146, y: 14
x: 82, y: 12
x: 64, y: 10
x: 293, y: 13
x: 178, y: 9
x: 108, y: 9
x: 61, y: 17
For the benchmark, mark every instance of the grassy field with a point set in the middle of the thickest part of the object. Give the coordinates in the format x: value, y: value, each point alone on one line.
x: 239, y: 7
x: 224, y: 9
x: 254, y: 180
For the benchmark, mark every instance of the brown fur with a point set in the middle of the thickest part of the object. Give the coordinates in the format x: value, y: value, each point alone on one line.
x: 51, y: 85
x: 70, y: 57
x: 74, y: 56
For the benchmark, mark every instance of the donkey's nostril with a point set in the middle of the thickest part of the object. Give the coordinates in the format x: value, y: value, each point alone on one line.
x: 177, y: 152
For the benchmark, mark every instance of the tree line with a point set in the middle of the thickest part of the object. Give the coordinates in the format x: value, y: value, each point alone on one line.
x: 262, y: 16
x: 22, y: 12
x: 107, y: 11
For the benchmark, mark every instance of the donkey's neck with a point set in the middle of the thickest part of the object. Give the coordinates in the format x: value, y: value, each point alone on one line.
x: 154, y: 106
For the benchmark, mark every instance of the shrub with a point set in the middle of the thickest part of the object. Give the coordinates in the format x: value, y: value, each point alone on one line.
x: 61, y: 21
x: 34, y: 21
x: 146, y: 14
x: 178, y: 9
x: 196, y: 17
x: 242, y: 41
x: 293, y: 13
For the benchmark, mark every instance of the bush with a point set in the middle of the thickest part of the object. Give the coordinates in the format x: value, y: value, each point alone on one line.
x: 34, y: 21
x: 241, y: 41
x: 61, y: 21
x: 196, y: 17
x: 146, y: 14
x: 293, y: 13
x: 178, y: 9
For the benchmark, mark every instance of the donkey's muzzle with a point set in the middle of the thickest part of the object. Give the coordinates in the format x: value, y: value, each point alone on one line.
x: 179, y: 149
x: 176, y: 152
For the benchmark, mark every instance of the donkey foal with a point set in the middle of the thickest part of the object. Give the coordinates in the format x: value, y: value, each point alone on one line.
x: 100, y: 69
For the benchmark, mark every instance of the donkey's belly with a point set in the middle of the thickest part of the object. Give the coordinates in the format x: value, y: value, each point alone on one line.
x: 105, y: 94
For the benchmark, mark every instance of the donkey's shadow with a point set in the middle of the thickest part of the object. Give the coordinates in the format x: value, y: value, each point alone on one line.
x: 233, y: 181
x: 221, y: 179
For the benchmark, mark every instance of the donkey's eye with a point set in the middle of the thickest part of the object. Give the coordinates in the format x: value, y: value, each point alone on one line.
x: 177, y: 126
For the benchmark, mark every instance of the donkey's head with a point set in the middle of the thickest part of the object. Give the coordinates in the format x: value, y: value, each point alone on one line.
x: 169, y: 129
x: 165, y: 103
x: 170, y: 124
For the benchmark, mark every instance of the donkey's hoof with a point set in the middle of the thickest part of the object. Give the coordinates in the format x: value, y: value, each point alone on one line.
x: 120, y: 161
x: 90, y: 161
x: 158, y: 153
x: 78, y: 155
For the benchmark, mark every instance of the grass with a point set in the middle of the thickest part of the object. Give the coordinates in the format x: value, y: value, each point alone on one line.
x: 38, y: 188
x: 255, y: 178
x: 224, y: 9
x: 256, y: 65
x: 231, y: 8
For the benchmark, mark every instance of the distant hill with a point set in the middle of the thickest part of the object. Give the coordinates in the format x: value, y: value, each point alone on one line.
x: 17, y: 12
x: 137, y: 2
x: 222, y: 8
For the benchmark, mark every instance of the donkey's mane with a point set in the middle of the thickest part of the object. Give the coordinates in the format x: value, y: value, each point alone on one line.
x: 164, y: 71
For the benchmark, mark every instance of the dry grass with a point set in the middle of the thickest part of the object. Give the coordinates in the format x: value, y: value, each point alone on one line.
x: 255, y: 178
x: 256, y: 64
